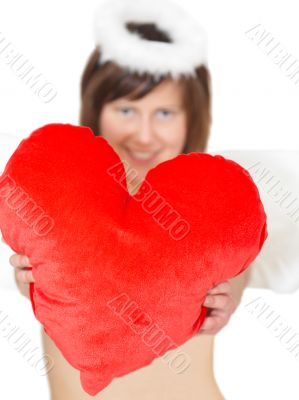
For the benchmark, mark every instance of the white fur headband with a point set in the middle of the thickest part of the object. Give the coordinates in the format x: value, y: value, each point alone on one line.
x: 187, y: 51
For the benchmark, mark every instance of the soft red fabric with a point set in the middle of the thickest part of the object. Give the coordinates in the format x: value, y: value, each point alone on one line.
x: 120, y: 279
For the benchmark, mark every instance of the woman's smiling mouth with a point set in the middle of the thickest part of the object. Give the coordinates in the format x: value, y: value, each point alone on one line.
x: 142, y: 157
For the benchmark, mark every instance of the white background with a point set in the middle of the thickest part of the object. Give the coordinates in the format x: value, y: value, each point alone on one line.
x: 255, y: 106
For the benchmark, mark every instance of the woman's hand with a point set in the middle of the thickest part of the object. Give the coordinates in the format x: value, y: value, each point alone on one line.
x: 222, y: 301
x: 23, y: 272
x: 221, y: 304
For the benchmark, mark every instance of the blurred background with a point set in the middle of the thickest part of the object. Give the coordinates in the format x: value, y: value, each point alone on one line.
x: 255, y: 106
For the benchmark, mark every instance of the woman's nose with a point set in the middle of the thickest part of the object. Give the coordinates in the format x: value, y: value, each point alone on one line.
x: 144, y: 132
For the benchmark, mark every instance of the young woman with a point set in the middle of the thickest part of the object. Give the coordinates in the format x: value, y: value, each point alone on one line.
x: 151, y: 105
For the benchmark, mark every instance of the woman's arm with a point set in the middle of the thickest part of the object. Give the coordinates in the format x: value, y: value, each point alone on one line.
x: 239, y: 283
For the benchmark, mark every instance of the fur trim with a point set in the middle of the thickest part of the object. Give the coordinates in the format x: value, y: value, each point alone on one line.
x: 118, y: 44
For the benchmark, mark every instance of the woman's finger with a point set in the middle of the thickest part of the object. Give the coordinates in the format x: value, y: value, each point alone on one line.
x: 24, y: 275
x: 223, y: 287
x: 24, y: 289
x: 210, y: 323
x: 19, y: 261
x: 214, y: 323
x: 219, y: 301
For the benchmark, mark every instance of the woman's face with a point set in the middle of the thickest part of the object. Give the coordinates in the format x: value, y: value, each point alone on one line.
x: 147, y: 131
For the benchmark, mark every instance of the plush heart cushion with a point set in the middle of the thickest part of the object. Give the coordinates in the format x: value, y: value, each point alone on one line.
x: 121, y: 279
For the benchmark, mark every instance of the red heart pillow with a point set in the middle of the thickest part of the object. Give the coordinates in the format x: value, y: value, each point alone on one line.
x: 120, y: 279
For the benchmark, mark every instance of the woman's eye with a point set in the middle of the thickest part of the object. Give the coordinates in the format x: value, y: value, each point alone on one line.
x: 126, y: 111
x: 165, y: 113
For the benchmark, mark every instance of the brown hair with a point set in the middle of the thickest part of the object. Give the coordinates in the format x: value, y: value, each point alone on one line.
x: 102, y: 83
